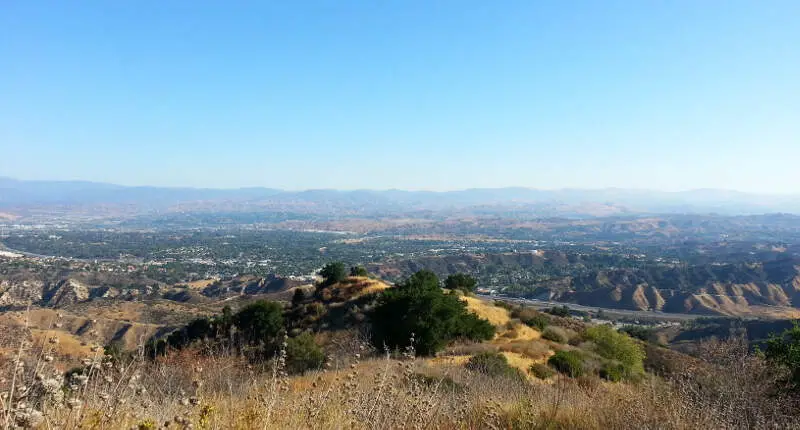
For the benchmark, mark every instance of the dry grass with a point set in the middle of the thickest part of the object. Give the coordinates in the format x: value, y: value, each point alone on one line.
x: 199, y: 285
x: 378, y: 393
x: 83, y: 329
x: 539, y: 352
x: 69, y: 350
x: 351, y: 288
x: 519, y: 332
x: 444, y: 360
x: 494, y: 314
x: 190, y: 389
x: 520, y: 361
x: 374, y: 286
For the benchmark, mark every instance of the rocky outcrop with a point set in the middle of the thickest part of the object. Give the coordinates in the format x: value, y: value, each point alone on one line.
x: 250, y: 286
x: 68, y: 292
x: 20, y: 293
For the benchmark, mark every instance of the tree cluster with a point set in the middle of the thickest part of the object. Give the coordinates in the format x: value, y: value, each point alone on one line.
x: 461, y: 282
x: 257, y: 324
x: 783, y: 351
x: 255, y: 330
x: 332, y: 273
x: 418, y: 308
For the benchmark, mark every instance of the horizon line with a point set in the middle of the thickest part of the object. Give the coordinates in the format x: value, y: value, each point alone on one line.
x: 455, y: 190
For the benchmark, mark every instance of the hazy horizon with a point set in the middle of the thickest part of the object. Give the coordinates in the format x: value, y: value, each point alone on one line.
x: 674, y: 96
x: 509, y: 187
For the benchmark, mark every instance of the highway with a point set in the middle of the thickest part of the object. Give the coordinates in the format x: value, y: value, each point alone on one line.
x: 539, y: 304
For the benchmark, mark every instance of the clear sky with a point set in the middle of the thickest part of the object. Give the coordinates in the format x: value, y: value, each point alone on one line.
x: 406, y: 94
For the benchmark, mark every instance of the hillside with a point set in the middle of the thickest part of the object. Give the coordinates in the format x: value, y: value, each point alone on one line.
x: 770, y: 288
x: 511, y: 380
x: 69, y: 288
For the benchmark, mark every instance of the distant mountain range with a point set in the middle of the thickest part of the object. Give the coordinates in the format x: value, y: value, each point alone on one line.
x: 593, y: 202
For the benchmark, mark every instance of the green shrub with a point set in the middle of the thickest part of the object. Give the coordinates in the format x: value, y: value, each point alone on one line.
x: 783, y: 351
x: 616, y: 346
x: 419, y: 308
x: 559, y: 311
x: 539, y: 322
x: 259, y: 322
x: 531, y: 317
x: 503, y: 304
x: 636, y: 331
x: 359, y: 271
x: 303, y: 354
x: 493, y: 364
x: 298, y: 297
x: 555, y: 334
x: 613, y: 372
x: 542, y: 371
x: 569, y: 363
x: 461, y: 282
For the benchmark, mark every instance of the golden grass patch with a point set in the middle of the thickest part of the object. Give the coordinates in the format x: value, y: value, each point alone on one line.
x: 494, y: 314
x: 201, y: 283
x: 69, y: 346
x: 521, y: 332
x: 458, y: 360
x: 519, y: 361
x: 375, y: 286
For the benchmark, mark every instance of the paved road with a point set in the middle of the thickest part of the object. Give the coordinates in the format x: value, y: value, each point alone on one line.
x: 32, y: 255
x: 611, y: 311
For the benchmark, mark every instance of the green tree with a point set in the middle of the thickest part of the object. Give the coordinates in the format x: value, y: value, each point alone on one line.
x: 299, y: 297
x: 618, y: 347
x: 783, y: 350
x: 424, y: 279
x: 359, y: 271
x: 462, y: 282
x: 303, y: 354
x: 200, y: 328
x: 259, y: 322
x: 227, y: 315
x: 333, y: 272
x: 224, y: 322
x: 419, y: 308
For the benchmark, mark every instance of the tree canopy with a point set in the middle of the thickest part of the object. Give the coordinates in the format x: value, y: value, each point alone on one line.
x: 358, y: 271
x: 333, y: 272
x: 419, y: 308
x: 462, y: 282
x: 783, y: 350
x: 259, y: 322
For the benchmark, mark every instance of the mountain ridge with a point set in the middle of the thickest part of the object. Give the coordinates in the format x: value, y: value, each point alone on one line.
x: 23, y: 193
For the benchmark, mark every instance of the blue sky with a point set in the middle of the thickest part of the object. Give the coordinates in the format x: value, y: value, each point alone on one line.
x: 437, y: 95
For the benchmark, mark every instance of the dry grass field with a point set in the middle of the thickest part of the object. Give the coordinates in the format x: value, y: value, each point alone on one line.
x: 357, y: 387
x: 191, y: 390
